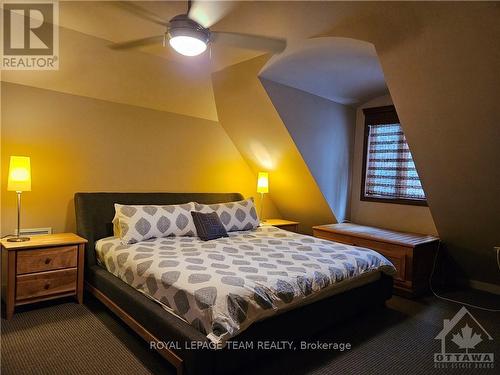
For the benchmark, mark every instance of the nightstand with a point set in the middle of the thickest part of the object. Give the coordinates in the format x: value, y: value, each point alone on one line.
x: 43, y: 268
x: 292, y: 226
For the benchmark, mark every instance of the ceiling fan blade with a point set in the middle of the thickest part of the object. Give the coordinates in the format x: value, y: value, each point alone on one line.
x: 137, y: 42
x: 140, y: 12
x: 256, y: 42
x: 208, y: 13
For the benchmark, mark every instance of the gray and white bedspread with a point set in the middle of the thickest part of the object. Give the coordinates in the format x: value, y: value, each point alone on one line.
x: 222, y: 286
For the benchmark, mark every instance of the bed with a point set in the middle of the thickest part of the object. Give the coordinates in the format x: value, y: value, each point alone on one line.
x: 265, y: 284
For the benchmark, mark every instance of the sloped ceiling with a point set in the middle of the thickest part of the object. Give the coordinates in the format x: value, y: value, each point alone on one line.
x: 343, y: 70
x: 300, y: 84
x: 323, y: 132
x: 442, y: 66
x: 88, y: 68
x: 251, y: 121
x: 312, y: 85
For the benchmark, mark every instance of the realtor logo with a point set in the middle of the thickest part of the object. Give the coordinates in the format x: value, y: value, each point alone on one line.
x: 30, y: 35
x: 461, y: 337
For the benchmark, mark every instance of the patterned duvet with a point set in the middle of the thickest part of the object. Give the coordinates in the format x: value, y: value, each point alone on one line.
x: 222, y: 286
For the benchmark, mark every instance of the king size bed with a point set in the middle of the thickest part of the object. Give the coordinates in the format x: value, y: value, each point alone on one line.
x: 259, y: 284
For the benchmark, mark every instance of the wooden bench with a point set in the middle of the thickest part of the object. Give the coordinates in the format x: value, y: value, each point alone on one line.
x: 412, y: 254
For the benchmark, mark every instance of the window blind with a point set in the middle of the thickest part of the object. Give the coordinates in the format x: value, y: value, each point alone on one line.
x: 390, y: 172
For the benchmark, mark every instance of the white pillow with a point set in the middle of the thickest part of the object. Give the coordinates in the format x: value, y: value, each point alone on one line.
x: 234, y: 216
x: 139, y: 223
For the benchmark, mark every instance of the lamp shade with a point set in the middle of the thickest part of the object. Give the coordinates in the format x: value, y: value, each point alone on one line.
x: 19, y: 174
x: 263, y: 182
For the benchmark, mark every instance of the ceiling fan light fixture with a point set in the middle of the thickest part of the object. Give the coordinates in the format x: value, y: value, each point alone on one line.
x: 187, y: 45
x: 187, y: 36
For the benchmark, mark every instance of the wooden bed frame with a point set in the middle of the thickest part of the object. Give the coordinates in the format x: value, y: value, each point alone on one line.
x: 166, y: 353
x: 150, y: 321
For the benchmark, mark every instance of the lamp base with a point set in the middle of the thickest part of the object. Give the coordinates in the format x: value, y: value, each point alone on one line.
x: 18, y: 239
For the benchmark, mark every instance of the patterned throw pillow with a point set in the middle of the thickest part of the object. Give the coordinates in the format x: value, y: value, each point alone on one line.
x: 234, y: 216
x: 208, y: 226
x: 138, y: 223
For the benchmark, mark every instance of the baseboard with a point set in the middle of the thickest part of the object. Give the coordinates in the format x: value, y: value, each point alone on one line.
x: 480, y: 285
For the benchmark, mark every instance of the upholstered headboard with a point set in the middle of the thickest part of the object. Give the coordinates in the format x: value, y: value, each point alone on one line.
x: 95, y: 211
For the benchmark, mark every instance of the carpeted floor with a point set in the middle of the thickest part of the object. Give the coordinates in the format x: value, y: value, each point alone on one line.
x: 66, y: 338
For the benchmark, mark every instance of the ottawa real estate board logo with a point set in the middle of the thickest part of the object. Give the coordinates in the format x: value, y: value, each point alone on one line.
x: 464, y: 344
x: 30, y: 35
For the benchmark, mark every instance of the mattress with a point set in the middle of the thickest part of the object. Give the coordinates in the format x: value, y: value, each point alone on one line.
x: 222, y: 286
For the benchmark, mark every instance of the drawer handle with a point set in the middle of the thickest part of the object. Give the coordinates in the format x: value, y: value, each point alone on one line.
x: 47, y: 261
x: 47, y: 286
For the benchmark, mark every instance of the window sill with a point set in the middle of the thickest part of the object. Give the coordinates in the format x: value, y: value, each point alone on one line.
x: 410, y: 202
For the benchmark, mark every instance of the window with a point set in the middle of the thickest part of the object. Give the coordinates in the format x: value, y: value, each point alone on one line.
x: 389, y: 174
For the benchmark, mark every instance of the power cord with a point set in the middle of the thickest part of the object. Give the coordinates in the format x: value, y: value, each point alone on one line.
x: 497, y: 248
x: 453, y: 300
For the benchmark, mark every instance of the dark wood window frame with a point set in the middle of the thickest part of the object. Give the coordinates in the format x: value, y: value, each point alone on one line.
x: 375, y: 116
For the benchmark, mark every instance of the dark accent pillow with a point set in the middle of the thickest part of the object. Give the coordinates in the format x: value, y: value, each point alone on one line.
x: 208, y: 226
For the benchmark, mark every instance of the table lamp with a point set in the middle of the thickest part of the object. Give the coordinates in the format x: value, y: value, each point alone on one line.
x: 19, y: 181
x: 262, y: 188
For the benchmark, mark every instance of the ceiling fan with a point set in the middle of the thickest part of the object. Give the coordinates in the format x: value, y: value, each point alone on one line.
x: 189, y: 34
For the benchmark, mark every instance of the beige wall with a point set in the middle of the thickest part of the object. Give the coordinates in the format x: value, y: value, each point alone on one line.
x: 441, y: 62
x: 253, y: 124
x: 408, y: 218
x: 82, y: 144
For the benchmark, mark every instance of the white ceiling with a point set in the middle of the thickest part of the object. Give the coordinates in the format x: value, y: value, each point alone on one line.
x: 107, y: 20
x: 294, y: 21
x: 157, y: 77
x: 344, y: 70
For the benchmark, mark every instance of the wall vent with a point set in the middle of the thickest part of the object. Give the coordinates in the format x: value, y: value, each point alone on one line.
x: 34, y: 231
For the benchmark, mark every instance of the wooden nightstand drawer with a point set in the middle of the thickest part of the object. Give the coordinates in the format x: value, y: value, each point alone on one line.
x: 46, y: 283
x: 30, y: 261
